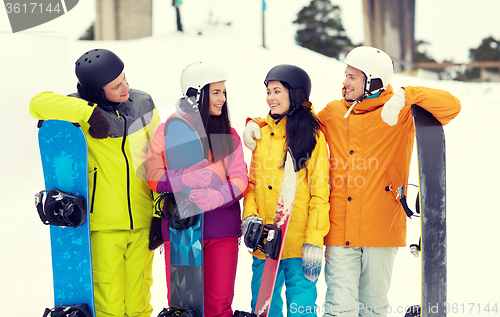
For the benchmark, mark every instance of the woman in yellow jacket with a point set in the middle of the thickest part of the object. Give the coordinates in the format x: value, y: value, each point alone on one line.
x: 290, y: 123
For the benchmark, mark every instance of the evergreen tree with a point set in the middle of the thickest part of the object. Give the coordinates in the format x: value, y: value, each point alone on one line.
x: 488, y: 50
x: 89, y: 33
x: 322, y: 30
x: 422, y: 55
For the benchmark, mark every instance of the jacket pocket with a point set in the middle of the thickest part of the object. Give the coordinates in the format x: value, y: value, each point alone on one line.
x: 393, y: 179
x: 93, y: 186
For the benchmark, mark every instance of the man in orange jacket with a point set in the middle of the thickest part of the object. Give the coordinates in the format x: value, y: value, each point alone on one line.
x: 370, y: 135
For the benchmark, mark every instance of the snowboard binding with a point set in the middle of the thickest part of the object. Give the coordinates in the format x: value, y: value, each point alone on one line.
x: 163, y: 210
x: 61, y: 208
x: 414, y: 248
x: 182, y: 206
x: 413, y: 311
x: 402, y: 199
x: 238, y: 313
x: 179, y: 312
x: 170, y: 210
x: 80, y: 310
x: 266, y: 238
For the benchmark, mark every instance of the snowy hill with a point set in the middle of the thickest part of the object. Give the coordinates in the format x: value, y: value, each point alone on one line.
x: 31, y: 63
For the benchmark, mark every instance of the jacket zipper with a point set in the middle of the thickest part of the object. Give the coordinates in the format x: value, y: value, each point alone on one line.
x: 128, y: 171
x: 93, y: 191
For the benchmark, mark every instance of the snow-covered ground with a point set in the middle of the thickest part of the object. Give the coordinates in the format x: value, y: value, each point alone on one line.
x: 32, y: 62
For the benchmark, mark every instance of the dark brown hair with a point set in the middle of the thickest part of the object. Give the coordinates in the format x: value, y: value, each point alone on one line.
x: 218, y: 128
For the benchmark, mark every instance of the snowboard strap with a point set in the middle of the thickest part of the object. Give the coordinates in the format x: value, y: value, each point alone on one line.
x: 159, y: 208
x: 80, y: 310
x: 402, y: 199
x: 413, y: 311
x: 61, y: 208
x: 178, y: 223
x: 257, y: 233
x: 179, y: 312
x: 414, y: 248
x: 238, y: 313
x: 170, y: 210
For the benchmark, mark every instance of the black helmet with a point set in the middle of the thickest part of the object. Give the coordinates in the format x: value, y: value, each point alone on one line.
x: 299, y: 83
x: 97, y: 68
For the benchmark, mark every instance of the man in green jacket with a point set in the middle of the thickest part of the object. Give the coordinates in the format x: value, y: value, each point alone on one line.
x: 119, y: 123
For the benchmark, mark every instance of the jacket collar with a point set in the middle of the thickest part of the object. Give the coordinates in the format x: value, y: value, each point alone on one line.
x: 279, y: 128
x: 371, y: 104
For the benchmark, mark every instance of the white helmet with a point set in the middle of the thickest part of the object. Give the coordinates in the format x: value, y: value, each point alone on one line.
x: 196, y: 75
x: 375, y: 64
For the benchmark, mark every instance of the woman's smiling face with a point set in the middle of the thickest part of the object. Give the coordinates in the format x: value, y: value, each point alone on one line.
x: 277, y: 98
x: 217, y: 98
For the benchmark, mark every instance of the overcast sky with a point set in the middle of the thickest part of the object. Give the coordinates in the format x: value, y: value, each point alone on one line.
x: 451, y: 27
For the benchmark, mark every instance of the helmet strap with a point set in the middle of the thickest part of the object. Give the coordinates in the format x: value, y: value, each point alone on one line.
x: 294, y: 105
x: 98, y: 97
x: 188, y: 105
x: 374, y: 87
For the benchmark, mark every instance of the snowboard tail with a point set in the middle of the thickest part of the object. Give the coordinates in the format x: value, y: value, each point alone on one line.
x: 63, y: 151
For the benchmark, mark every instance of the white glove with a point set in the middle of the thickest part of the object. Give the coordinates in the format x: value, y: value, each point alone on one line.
x: 251, y: 132
x: 312, y: 258
x: 392, y: 108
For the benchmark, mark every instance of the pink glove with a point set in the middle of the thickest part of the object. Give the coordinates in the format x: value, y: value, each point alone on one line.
x: 198, y: 175
x: 206, y: 198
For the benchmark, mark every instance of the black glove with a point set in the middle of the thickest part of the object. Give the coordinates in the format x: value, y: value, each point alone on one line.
x: 155, y: 237
x: 99, y: 125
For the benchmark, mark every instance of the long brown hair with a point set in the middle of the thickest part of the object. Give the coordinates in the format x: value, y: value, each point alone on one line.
x: 302, y: 129
x: 218, y: 128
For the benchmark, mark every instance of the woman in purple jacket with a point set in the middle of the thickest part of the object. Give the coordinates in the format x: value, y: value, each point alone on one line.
x: 219, y: 182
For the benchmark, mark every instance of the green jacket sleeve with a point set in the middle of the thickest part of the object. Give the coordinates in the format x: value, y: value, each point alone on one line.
x: 51, y: 106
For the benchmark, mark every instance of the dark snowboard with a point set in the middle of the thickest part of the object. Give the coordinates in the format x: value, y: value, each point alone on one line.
x: 432, y: 191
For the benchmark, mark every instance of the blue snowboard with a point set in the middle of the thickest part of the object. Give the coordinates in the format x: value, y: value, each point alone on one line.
x: 183, y: 149
x: 63, y: 150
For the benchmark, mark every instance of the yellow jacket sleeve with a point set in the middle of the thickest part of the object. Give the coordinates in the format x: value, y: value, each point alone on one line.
x: 52, y: 106
x: 318, y: 167
x: 250, y: 203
